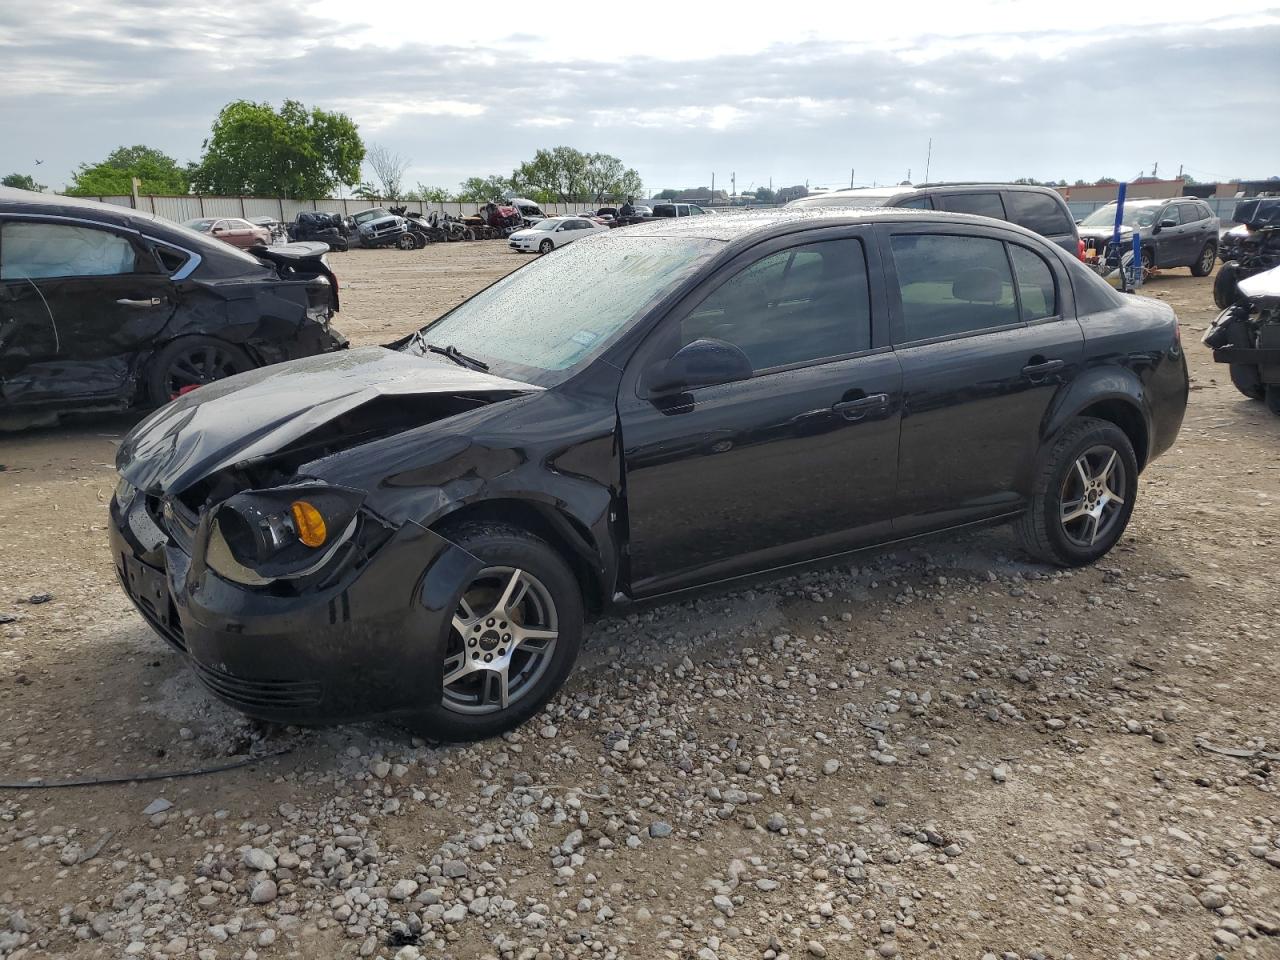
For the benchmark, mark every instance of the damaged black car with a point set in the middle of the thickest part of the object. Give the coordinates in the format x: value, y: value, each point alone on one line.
x: 420, y: 531
x: 106, y: 308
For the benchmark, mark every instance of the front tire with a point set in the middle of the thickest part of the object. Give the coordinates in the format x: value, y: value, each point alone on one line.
x: 546, y: 246
x: 1204, y: 265
x: 1082, y: 494
x: 515, y: 635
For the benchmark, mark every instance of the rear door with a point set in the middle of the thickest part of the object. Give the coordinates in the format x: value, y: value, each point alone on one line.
x: 793, y: 462
x: 77, y: 303
x: 986, y: 334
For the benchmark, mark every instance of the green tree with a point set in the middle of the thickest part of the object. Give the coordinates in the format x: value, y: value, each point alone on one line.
x: 254, y: 150
x: 158, y: 172
x: 482, y: 189
x: 764, y: 195
x: 566, y: 175
x: 1104, y: 181
x: 429, y: 194
x: 667, y: 194
x: 22, y: 181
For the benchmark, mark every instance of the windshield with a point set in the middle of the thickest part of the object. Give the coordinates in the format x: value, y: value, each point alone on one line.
x: 364, y: 216
x: 1133, y: 216
x: 200, y: 225
x: 561, y: 310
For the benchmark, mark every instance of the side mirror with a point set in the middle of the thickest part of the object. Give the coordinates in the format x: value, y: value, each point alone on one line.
x: 1168, y: 222
x: 703, y: 363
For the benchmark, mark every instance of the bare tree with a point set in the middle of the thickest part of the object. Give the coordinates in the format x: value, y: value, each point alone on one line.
x: 389, y: 168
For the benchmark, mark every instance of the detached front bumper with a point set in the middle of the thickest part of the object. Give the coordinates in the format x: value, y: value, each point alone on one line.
x: 370, y: 644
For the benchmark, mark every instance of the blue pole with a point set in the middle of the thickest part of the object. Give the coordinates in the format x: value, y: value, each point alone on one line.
x: 1115, y: 233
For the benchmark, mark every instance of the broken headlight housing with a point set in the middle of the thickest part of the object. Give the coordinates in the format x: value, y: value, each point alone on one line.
x: 285, y: 533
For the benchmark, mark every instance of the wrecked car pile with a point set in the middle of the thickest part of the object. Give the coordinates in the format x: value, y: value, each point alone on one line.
x: 102, y: 307
x: 1246, y: 335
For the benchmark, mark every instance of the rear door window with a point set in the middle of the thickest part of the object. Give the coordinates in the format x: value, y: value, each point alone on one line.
x: 1038, y: 212
x: 916, y: 203
x: 981, y: 204
x: 34, y: 250
x: 952, y: 285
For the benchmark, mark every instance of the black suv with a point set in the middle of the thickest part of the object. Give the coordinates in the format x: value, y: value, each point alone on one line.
x: 420, y: 530
x: 1040, y: 209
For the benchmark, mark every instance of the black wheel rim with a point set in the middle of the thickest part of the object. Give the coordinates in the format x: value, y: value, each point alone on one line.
x: 198, y: 366
x: 1093, y: 495
x: 501, y: 641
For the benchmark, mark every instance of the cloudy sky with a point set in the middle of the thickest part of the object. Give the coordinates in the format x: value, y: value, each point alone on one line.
x: 790, y: 93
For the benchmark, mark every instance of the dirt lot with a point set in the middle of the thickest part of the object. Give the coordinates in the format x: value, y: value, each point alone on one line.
x: 941, y: 752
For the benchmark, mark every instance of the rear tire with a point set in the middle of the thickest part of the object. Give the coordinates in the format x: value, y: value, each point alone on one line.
x: 1273, y: 398
x: 551, y: 603
x: 546, y: 246
x: 190, y: 362
x: 1204, y: 266
x: 1248, y: 380
x: 1226, y: 285
x: 1074, y: 517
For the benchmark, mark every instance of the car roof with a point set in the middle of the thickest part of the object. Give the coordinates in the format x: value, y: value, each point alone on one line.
x: 749, y: 223
x: 1148, y: 201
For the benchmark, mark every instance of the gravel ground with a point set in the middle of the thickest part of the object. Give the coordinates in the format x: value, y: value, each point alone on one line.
x: 945, y: 751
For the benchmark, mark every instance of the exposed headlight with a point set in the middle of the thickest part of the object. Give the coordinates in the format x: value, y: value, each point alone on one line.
x: 281, y: 534
x: 125, y: 492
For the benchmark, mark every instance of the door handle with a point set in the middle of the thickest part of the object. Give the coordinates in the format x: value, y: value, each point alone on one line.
x: 152, y: 302
x: 857, y: 409
x: 1043, y: 369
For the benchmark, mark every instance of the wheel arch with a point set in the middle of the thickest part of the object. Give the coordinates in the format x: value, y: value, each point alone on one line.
x: 567, y: 535
x: 1113, y: 397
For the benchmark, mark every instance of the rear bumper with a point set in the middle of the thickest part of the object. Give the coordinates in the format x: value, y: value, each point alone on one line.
x: 370, y: 645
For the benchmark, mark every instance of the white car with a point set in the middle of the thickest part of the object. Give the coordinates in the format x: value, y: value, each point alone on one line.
x: 545, y: 235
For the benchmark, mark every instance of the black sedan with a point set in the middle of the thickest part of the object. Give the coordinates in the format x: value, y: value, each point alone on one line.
x: 420, y: 531
x: 103, y: 307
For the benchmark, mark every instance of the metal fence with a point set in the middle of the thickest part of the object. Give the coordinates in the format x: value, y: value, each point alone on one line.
x: 181, y: 209
x: 186, y: 208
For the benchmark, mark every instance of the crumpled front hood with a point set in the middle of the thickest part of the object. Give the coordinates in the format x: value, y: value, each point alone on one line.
x: 259, y: 413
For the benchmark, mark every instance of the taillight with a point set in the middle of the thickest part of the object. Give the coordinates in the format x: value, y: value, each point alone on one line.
x: 1080, y: 248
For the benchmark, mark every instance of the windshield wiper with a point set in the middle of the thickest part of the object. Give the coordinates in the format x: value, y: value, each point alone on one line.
x: 452, y: 352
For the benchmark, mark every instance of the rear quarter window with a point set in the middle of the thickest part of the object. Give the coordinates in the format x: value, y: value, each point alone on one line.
x: 980, y: 204
x: 1038, y: 212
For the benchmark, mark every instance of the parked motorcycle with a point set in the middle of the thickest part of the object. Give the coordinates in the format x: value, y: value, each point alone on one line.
x: 1246, y: 336
x: 1249, y: 249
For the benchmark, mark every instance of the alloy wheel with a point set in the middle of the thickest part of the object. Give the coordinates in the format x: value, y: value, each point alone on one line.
x: 198, y: 366
x: 1092, y: 495
x: 1206, y: 259
x: 503, y: 635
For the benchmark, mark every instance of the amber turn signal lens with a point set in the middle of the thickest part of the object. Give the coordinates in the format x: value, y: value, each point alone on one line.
x: 309, y: 524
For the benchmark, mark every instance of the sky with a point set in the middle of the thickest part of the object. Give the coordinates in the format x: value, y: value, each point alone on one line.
x: 824, y: 94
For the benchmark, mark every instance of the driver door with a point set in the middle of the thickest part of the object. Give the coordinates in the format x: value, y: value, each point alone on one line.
x: 796, y: 461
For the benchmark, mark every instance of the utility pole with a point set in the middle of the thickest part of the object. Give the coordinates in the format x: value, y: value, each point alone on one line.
x: 851, y: 178
x: 733, y: 183
x: 1154, y: 167
x: 928, y: 160
x: 908, y: 174
x: 771, y: 183
x: 713, y: 183
x: 1179, y: 171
